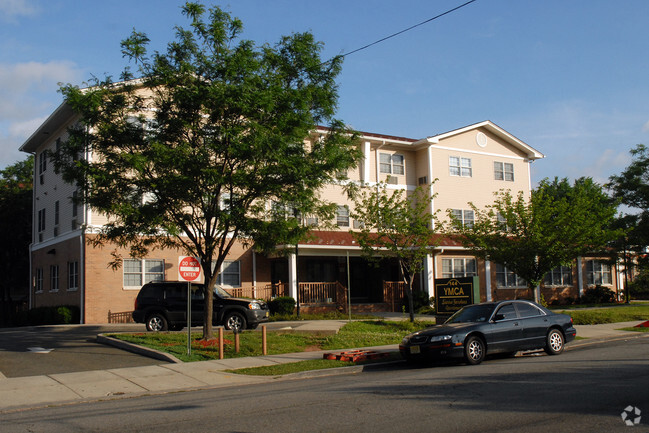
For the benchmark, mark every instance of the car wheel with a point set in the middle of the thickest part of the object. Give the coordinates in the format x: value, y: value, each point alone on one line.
x: 156, y: 322
x: 234, y: 321
x: 474, y: 350
x: 554, y: 342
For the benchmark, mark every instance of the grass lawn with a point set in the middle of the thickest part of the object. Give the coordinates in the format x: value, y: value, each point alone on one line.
x: 607, y: 314
x: 352, y: 335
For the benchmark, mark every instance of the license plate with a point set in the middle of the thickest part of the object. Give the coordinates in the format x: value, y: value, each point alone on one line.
x: 414, y: 350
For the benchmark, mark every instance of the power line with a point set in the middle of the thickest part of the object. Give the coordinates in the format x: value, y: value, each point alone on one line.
x: 406, y: 30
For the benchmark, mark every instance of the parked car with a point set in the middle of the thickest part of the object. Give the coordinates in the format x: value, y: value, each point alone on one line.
x: 163, y: 306
x: 493, y: 327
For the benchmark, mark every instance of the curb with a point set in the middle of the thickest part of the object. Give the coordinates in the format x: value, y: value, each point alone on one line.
x: 140, y: 350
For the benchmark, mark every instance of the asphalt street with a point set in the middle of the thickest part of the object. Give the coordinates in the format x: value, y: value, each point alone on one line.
x: 585, y: 389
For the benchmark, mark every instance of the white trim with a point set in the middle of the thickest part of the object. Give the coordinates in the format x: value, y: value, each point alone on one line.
x: 367, y: 151
x: 477, y: 152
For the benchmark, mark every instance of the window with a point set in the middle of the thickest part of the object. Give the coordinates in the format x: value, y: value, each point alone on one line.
x: 422, y: 180
x: 138, y: 272
x: 75, y: 195
x: 504, y: 171
x: 73, y: 275
x: 38, y: 280
x: 527, y: 310
x: 559, y: 276
x: 56, y: 217
x: 466, y: 217
x: 391, y: 164
x: 42, y: 166
x: 456, y: 268
x: 41, y: 220
x: 508, y: 279
x: 460, y: 166
x: 230, y: 275
x: 598, y: 272
x: 54, y: 278
x: 508, y: 312
x: 342, y: 216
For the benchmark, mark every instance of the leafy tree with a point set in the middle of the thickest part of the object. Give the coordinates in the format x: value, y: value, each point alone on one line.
x: 191, y: 153
x: 16, y: 186
x: 397, y: 225
x: 631, y: 187
x: 531, y: 237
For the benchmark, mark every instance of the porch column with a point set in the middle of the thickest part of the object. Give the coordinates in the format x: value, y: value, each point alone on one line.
x: 487, y: 270
x: 366, y: 162
x: 580, y: 277
x: 292, y: 276
x: 428, y: 275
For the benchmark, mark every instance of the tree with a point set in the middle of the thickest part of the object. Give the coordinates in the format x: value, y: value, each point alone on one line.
x: 631, y: 187
x: 531, y: 237
x: 397, y: 225
x: 15, y: 228
x: 190, y: 154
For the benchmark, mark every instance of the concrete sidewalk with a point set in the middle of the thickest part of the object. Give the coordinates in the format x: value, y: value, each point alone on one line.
x: 38, y: 391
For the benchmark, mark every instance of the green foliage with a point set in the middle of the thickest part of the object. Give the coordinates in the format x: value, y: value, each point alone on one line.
x: 61, y: 315
x: 395, y: 224
x: 531, y: 237
x: 613, y: 314
x: 598, y: 295
x: 191, y: 154
x: 639, y: 287
x: 15, y: 226
x: 421, y: 301
x: 283, y: 305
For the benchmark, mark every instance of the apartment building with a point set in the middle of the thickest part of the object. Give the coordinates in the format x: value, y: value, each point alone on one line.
x: 325, y: 271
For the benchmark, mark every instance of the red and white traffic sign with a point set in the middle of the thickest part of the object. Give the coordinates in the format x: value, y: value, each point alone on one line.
x: 189, y: 268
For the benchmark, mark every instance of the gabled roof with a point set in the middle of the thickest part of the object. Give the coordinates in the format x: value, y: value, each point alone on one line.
x: 528, y: 150
x: 58, y: 118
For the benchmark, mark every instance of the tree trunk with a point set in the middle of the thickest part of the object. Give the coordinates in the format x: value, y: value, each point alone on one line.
x: 411, y: 306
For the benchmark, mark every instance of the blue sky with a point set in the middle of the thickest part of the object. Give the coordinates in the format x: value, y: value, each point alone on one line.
x: 569, y: 78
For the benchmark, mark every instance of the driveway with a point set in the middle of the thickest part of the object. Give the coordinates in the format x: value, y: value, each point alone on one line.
x: 38, y: 350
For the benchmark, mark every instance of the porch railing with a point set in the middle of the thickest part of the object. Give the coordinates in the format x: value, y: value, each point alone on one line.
x: 319, y: 293
x: 266, y: 292
x: 393, y: 293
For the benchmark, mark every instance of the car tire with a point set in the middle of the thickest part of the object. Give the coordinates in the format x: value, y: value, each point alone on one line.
x: 156, y: 322
x: 474, y: 350
x: 554, y: 342
x: 234, y: 320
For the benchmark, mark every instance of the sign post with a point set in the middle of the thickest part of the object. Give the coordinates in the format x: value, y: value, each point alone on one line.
x: 189, y: 269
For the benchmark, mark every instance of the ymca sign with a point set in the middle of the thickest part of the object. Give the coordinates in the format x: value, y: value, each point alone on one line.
x: 451, y: 294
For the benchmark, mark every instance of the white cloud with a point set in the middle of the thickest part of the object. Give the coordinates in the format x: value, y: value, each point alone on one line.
x: 10, y: 9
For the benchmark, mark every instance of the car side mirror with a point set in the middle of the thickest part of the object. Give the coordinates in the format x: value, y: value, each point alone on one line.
x: 499, y: 317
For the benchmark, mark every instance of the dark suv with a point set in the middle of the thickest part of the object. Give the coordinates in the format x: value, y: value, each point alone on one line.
x: 163, y: 306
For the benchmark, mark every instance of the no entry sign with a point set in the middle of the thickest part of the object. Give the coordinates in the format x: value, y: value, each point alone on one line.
x: 189, y: 269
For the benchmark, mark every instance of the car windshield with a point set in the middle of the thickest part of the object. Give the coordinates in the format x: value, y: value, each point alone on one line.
x: 472, y: 313
x: 218, y: 290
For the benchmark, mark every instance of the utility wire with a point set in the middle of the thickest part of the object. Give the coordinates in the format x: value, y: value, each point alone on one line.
x: 405, y: 30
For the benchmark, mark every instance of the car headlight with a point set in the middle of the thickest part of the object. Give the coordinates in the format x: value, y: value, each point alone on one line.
x: 254, y: 306
x: 405, y: 341
x: 436, y: 338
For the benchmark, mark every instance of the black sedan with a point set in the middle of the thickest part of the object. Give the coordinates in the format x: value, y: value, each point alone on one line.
x: 493, y: 327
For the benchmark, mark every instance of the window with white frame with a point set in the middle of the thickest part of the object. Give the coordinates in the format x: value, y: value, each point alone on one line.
x: 230, y: 274
x: 465, y: 216
x: 460, y: 166
x: 42, y: 166
x: 41, y: 220
x: 504, y: 171
x: 559, y: 276
x: 342, y: 216
x: 38, y: 280
x: 73, y: 275
x: 598, y: 272
x: 392, y: 164
x: 508, y: 279
x: 54, y: 278
x: 138, y: 272
x: 457, y: 268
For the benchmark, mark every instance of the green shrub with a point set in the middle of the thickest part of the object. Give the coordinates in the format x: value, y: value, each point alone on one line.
x: 55, y: 315
x: 598, y: 295
x: 283, y: 305
x: 639, y: 287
